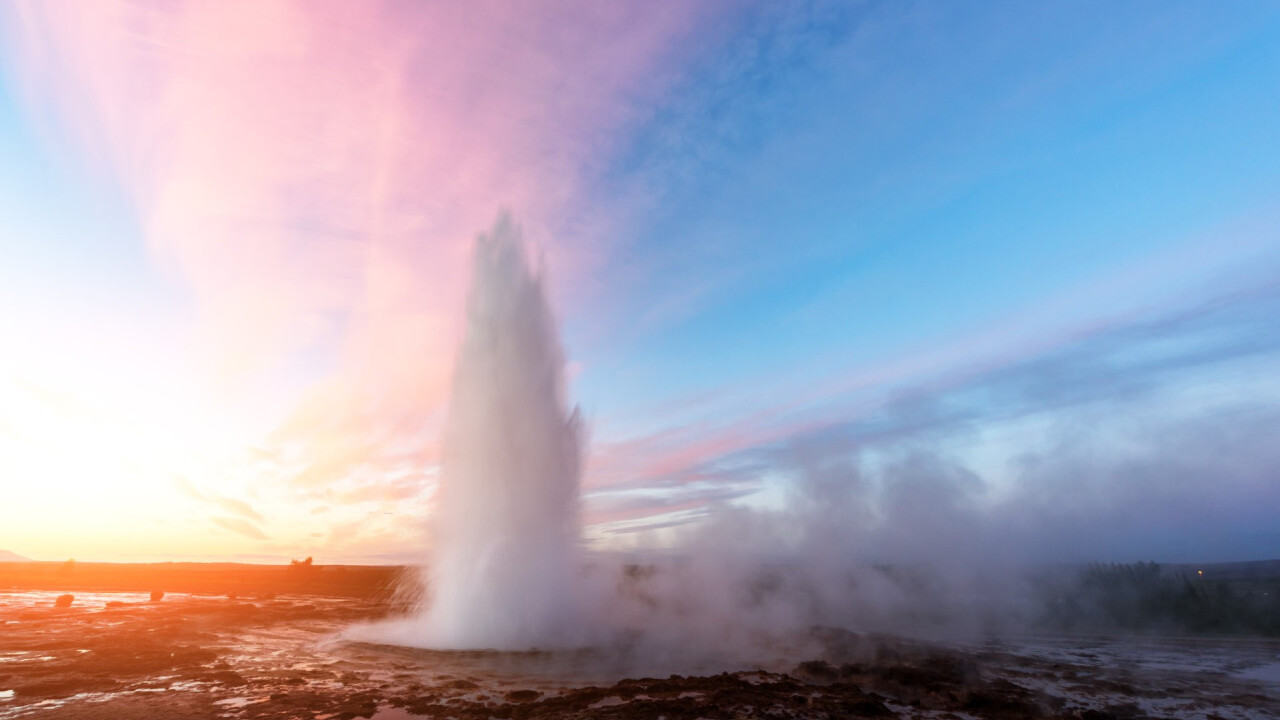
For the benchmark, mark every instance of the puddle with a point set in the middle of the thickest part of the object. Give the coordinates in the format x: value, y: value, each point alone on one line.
x: 1268, y: 674
x: 390, y: 713
x: 239, y: 702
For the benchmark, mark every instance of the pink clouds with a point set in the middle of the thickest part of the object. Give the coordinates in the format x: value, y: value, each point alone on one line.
x: 302, y: 163
x: 314, y: 171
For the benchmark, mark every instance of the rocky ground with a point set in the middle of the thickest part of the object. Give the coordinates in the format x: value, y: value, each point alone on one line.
x: 120, y: 655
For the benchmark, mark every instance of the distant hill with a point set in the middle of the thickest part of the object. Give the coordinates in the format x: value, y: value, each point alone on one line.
x: 362, y: 581
x: 6, y: 556
x: 1233, y: 571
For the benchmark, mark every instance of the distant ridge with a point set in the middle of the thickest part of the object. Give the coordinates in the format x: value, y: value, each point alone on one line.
x: 6, y: 556
x: 1246, y: 570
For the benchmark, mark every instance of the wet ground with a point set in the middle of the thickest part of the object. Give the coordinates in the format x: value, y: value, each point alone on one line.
x: 119, y: 655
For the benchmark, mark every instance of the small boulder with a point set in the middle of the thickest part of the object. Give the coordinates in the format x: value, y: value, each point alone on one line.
x: 522, y: 696
x: 227, y: 677
x: 816, y: 672
x: 64, y: 601
x: 156, y: 595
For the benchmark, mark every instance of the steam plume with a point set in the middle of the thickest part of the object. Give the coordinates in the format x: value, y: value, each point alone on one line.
x: 503, y: 562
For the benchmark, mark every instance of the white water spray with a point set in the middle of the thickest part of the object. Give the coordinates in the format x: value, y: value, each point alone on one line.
x: 503, y: 563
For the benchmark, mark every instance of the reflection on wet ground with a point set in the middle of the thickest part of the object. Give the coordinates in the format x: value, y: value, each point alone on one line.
x: 113, y: 655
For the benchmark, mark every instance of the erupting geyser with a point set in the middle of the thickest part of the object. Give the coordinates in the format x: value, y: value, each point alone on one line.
x: 503, y: 562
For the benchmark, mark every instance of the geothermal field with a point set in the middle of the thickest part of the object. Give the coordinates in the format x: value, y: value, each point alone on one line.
x: 683, y: 360
x: 506, y: 617
x: 280, y: 649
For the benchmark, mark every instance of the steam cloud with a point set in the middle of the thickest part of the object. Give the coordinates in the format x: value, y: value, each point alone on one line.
x: 889, y: 524
x: 885, y: 526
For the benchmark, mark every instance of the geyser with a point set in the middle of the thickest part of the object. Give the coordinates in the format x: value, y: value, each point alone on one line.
x: 503, y: 561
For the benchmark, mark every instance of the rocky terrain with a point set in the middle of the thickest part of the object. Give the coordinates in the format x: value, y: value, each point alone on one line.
x: 266, y: 656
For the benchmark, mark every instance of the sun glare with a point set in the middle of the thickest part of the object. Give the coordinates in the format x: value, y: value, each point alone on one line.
x: 107, y: 461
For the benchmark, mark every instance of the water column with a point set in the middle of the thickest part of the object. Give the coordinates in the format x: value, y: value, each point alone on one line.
x: 505, y: 531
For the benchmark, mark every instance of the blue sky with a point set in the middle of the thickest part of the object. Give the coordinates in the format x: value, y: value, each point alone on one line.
x: 925, y: 174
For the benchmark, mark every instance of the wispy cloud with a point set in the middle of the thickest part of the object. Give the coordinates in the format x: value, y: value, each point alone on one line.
x: 314, y: 171
x: 226, y: 504
x: 1114, y: 444
x: 240, y: 526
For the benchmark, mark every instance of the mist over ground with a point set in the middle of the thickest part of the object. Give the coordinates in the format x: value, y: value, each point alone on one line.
x: 1086, y: 456
x: 1035, y: 496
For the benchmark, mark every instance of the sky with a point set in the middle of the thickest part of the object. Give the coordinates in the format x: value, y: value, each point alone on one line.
x: 1009, y: 271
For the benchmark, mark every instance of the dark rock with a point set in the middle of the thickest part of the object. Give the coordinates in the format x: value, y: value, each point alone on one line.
x: 64, y: 686
x: 522, y: 696
x: 816, y: 672
x: 227, y: 677
x: 865, y: 707
x: 1127, y: 711
x: 156, y: 595
x: 64, y: 601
